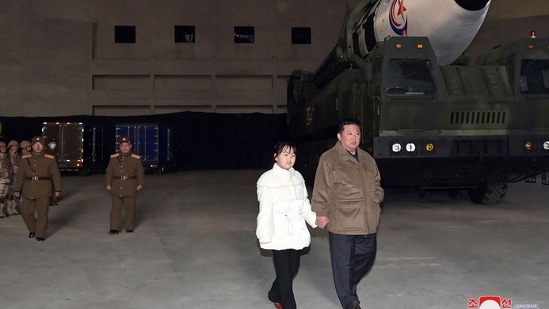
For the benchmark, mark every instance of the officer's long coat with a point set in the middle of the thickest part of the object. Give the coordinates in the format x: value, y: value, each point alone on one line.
x: 124, y: 173
x: 44, y: 168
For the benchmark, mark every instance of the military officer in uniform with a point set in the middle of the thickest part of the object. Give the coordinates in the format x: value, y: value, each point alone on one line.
x: 15, y: 157
x: 35, y: 176
x: 26, y: 147
x: 50, y: 149
x: 124, y: 177
x: 5, y: 178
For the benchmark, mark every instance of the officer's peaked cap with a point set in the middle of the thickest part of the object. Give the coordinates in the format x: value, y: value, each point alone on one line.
x: 38, y: 139
x: 124, y: 139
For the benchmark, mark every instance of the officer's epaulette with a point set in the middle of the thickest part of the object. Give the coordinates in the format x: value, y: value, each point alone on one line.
x: 26, y: 156
x: 49, y: 156
x: 136, y: 156
x: 115, y: 155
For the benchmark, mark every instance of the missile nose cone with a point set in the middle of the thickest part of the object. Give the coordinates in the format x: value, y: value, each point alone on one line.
x: 472, y: 5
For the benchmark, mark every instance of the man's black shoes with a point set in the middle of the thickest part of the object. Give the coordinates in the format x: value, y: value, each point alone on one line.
x: 113, y: 232
x: 31, y: 234
x: 129, y: 231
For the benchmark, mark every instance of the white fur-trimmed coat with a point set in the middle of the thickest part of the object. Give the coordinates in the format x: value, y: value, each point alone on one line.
x: 283, y: 209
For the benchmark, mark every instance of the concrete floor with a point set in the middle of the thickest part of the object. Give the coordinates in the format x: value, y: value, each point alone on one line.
x: 195, y: 247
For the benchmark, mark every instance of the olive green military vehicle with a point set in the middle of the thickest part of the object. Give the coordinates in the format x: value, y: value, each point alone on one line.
x: 429, y: 126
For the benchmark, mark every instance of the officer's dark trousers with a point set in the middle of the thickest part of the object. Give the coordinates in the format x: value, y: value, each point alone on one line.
x: 119, y: 203
x: 286, y: 264
x: 41, y: 206
x: 352, y: 258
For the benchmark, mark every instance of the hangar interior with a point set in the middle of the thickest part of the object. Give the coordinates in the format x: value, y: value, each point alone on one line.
x: 210, y: 68
x: 129, y: 58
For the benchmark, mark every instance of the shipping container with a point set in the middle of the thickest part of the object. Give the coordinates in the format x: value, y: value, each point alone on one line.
x: 78, y: 147
x: 153, y: 142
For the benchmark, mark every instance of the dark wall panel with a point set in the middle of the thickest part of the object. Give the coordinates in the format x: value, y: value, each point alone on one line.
x: 202, y: 140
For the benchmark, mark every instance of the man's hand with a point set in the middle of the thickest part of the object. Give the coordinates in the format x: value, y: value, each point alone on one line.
x: 139, y: 187
x: 322, y: 221
x: 108, y: 187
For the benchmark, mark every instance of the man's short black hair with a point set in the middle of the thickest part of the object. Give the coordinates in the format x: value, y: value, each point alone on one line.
x: 346, y: 122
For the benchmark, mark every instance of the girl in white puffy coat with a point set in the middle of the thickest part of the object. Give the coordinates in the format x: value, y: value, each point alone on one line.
x: 284, y: 208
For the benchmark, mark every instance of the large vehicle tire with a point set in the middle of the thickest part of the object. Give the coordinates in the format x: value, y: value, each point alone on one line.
x: 307, y: 167
x: 455, y: 194
x: 488, y: 194
x: 311, y: 168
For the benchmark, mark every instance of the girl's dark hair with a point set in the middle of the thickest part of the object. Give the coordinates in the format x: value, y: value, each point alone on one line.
x: 281, y: 145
